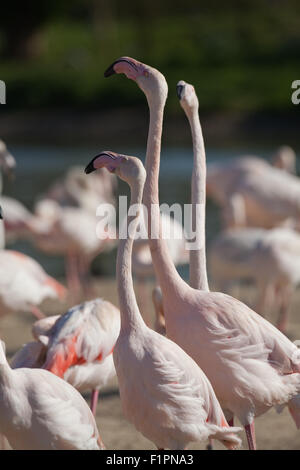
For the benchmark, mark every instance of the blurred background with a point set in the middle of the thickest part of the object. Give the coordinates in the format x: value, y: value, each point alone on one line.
x: 242, y: 60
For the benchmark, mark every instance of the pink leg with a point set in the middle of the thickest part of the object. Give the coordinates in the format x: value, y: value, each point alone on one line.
x: 250, y: 433
x: 100, y: 443
x: 94, y: 401
x: 37, y: 312
x: 72, y: 274
x: 84, y: 265
x: 284, y: 309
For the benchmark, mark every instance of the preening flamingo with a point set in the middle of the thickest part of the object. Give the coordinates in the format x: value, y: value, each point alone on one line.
x: 84, y: 377
x: 252, y: 366
x: 79, y: 345
x: 270, y: 258
x: 163, y: 391
x: 253, y: 193
x: 39, y: 411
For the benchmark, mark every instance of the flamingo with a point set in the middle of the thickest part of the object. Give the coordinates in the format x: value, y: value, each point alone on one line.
x: 253, y: 193
x: 84, y: 376
x: 163, y: 391
x: 267, y: 257
x: 39, y: 411
x: 251, y: 365
x: 77, y: 346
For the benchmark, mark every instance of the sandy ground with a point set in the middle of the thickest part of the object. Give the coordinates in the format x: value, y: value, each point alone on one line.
x: 273, y: 431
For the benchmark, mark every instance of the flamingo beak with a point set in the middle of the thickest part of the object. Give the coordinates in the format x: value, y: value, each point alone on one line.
x: 123, y: 65
x: 90, y: 167
x: 107, y: 160
x: 1, y: 215
x: 179, y: 90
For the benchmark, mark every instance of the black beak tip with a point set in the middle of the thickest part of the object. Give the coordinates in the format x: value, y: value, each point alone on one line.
x: 179, y: 90
x: 89, y: 168
x: 110, y: 71
x: 1, y: 214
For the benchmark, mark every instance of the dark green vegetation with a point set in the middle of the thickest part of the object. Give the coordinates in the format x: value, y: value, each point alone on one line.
x: 242, y: 55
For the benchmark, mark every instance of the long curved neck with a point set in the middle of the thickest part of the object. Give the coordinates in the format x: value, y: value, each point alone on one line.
x: 130, y: 314
x: 198, y: 270
x: 165, y: 270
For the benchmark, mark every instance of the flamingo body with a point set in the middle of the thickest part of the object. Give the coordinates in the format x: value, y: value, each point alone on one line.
x: 40, y: 411
x: 24, y: 282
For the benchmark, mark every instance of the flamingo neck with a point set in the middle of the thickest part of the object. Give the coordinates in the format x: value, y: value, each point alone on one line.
x: 164, y: 268
x: 130, y: 314
x: 198, y: 270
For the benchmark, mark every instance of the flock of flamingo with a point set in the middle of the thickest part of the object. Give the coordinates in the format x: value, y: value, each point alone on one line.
x: 210, y: 358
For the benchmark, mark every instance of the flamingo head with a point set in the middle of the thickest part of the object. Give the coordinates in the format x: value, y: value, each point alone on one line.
x: 150, y: 80
x: 129, y: 169
x: 285, y: 158
x: 7, y: 161
x: 187, y: 96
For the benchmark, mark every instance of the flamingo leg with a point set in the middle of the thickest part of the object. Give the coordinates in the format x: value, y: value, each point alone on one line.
x: 72, y: 274
x: 37, y: 312
x: 100, y: 443
x: 84, y: 264
x: 94, y: 401
x: 284, y: 310
x: 250, y: 433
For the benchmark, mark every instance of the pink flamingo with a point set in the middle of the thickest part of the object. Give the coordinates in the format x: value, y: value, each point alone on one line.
x: 163, y: 391
x: 79, y: 344
x: 39, y: 411
x: 253, y: 193
x: 84, y: 377
x: 252, y: 366
x: 24, y: 284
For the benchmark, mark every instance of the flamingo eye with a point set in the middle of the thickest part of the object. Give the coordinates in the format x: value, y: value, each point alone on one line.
x: 145, y: 73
